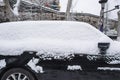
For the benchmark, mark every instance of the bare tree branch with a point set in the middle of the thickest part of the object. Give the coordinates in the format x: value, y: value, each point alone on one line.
x: 12, y: 9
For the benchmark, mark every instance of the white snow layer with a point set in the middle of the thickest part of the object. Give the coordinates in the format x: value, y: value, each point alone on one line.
x: 2, y: 3
x: 1, y: 0
x: 74, y: 67
x: 16, y: 7
x: 108, y: 68
x: 32, y: 64
x: 115, y: 62
x: 52, y: 37
x: 2, y: 63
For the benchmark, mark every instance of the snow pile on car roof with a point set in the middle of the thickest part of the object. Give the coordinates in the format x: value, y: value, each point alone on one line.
x: 48, y: 46
x: 48, y: 29
x: 49, y: 37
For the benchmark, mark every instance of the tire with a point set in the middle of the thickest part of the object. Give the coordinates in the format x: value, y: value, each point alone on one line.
x: 17, y: 74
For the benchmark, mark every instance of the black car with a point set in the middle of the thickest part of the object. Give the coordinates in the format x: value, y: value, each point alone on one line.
x: 49, y: 50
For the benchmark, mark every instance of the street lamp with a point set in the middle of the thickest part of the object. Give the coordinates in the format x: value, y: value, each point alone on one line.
x: 102, y: 23
x: 116, y: 7
x: 102, y: 2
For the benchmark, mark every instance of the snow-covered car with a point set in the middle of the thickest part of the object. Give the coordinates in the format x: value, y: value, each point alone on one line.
x: 30, y: 48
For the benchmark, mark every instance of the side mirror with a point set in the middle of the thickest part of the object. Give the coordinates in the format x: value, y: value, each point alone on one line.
x: 103, y: 47
x: 113, y: 37
x: 103, y: 1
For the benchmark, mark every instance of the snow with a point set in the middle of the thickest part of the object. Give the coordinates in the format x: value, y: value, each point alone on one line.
x: 57, y: 30
x: 1, y: 0
x: 2, y: 63
x: 48, y: 46
x: 55, y: 38
x: 115, y: 62
x: 28, y: 1
x: 2, y: 3
x: 32, y: 64
x: 16, y: 7
x: 111, y: 32
x: 38, y: 4
x: 74, y: 67
x: 108, y: 68
x: 50, y: 37
x: 114, y: 48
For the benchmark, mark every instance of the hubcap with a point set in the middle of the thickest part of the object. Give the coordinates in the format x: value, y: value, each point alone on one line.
x: 17, y: 76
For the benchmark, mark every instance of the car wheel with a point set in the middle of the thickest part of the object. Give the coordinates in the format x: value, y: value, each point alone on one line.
x: 17, y: 74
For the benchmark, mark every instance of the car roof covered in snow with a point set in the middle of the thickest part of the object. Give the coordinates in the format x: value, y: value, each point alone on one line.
x: 50, y: 37
x: 49, y: 29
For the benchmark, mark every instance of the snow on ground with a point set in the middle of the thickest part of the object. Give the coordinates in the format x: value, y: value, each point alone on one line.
x: 2, y: 63
x: 52, y: 37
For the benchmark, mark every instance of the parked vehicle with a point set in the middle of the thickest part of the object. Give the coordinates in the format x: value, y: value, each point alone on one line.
x: 30, y: 49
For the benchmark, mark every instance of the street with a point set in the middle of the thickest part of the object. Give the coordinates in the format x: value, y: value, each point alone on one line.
x: 80, y: 75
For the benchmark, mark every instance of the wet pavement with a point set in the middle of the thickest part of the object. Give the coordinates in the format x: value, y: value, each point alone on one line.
x: 80, y: 75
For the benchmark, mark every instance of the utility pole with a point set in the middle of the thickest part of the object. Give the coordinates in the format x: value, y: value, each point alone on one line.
x: 106, y: 20
x: 102, y: 21
x: 118, y: 28
x: 69, y: 5
x: 12, y: 13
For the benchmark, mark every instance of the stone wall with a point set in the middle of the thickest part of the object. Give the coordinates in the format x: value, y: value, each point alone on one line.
x: 26, y: 13
x: 44, y: 15
x: 84, y: 17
